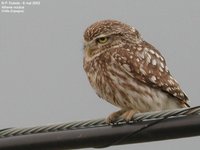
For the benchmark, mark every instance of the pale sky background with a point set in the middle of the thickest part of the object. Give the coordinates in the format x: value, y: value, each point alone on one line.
x: 41, y: 76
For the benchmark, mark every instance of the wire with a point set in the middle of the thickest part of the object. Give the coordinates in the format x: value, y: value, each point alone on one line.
x: 9, y: 132
x: 144, y: 127
x: 163, y: 115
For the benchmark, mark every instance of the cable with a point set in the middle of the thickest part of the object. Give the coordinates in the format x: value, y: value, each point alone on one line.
x: 98, y: 122
x: 144, y: 127
x: 163, y: 115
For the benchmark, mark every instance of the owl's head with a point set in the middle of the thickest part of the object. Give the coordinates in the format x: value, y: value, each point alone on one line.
x: 106, y: 34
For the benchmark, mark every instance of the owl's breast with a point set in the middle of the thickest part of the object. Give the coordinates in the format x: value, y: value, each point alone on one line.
x: 99, y: 78
x: 106, y: 80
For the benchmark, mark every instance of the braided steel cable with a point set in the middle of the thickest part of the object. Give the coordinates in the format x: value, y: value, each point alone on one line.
x: 10, y: 132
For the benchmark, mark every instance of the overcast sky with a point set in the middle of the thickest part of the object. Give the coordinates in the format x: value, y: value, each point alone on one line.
x: 41, y: 76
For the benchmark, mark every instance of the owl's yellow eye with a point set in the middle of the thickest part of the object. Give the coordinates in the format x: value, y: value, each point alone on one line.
x: 102, y: 40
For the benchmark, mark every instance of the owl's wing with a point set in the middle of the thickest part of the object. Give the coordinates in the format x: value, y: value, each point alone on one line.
x: 144, y: 63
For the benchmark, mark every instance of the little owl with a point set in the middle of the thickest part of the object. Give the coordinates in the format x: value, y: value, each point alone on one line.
x: 128, y: 72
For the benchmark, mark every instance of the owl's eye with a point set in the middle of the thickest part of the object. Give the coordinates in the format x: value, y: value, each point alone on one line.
x: 102, y: 40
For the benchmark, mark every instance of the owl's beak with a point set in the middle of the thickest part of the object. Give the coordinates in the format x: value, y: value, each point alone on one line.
x: 85, y: 45
x: 87, y: 48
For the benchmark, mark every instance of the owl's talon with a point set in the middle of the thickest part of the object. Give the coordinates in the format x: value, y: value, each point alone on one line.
x: 112, y: 118
x: 128, y: 115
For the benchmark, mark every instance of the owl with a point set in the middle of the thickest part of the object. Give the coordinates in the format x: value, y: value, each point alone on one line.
x: 128, y: 72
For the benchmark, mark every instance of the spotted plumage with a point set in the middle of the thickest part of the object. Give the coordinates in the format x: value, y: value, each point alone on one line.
x: 127, y: 71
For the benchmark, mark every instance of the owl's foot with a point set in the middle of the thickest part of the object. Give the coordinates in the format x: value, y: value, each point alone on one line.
x: 126, y: 115
x: 114, y: 116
